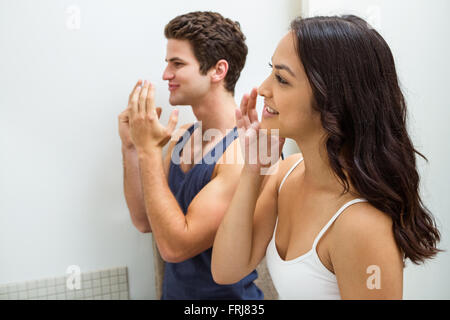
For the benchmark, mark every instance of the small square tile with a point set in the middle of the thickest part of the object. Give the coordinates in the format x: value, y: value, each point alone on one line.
x: 105, y: 282
x: 96, y: 283
x: 114, y: 272
x: 52, y: 297
x: 122, y: 279
x: 87, y: 284
x: 70, y: 295
x: 87, y: 276
x: 96, y: 275
x: 107, y: 297
x: 61, y: 281
x: 124, y: 296
x: 97, y: 291
x: 23, y: 295
x: 104, y: 274
x: 123, y: 287
x: 122, y: 271
x: 51, y: 282
x: 88, y: 293
x: 115, y: 296
x: 42, y: 283
x: 115, y: 288
x: 12, y: 287
x: 32, y: 285
x: 114, y: 280
x: 22, y: 286
x: 42, y: 292
x: 106, y: 289
x: 13, y: 296
x: 32, y: 293
x: 60, y: 288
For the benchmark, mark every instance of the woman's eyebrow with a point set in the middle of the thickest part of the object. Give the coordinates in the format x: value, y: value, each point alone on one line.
x: 284, y: 67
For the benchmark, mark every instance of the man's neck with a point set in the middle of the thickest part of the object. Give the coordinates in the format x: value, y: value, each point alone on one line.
x: 216, y: 111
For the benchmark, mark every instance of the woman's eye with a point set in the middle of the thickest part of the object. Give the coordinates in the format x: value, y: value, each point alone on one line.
x: 280, y: 79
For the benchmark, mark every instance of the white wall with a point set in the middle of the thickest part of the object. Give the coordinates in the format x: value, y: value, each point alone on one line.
x: 61, y: 195
x: 418, y: 33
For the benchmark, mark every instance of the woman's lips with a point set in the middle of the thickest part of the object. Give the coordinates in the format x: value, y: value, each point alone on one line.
x: 267, y: 114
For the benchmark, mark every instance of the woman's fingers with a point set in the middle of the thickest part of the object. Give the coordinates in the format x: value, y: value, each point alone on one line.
x: 239, y: 119
x: 251, y: 106
x: 244, y: 103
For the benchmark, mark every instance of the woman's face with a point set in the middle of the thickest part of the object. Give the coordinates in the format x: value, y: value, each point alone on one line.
x: 287, y: 92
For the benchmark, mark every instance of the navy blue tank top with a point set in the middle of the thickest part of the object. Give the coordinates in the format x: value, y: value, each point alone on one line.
x: 192, y: 279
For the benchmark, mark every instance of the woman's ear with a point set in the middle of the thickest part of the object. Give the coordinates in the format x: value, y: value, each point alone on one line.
x: 219, y: 71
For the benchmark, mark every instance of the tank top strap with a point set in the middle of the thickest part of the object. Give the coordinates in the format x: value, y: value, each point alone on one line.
x: 330, y: 222
x: 289, y: 172
x: 185, y: 137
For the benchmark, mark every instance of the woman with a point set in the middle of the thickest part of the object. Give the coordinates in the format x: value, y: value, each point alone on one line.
x: 338, y: 220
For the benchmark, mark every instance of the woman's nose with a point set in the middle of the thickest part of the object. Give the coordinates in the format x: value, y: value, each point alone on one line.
x: 264, y: 90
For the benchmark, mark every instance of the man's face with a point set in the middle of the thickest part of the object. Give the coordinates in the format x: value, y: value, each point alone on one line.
x: 186, y: 85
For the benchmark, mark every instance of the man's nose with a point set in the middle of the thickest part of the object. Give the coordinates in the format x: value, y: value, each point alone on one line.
x: 167, y: 75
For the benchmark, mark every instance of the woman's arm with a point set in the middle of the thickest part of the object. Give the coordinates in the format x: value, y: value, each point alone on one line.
x: 248, y: 224
x: 246, y: 228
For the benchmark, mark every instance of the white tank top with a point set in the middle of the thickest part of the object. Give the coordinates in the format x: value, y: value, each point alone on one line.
x: 304, y: 277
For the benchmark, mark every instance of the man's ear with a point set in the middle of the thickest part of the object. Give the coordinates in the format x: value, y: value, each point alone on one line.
x: 220, y: 71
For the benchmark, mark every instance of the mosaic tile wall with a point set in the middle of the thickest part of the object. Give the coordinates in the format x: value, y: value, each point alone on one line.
x: 108, y: 284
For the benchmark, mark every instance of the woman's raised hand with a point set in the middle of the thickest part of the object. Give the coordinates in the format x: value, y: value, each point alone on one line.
x: 261, y: 150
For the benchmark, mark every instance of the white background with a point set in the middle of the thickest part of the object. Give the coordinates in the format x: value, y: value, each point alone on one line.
x: 63, y: 87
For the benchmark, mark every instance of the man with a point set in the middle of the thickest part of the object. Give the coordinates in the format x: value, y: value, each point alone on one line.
x: 183, y: 197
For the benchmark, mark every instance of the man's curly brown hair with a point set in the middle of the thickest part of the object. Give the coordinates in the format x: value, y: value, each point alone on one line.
x: 213, y: 38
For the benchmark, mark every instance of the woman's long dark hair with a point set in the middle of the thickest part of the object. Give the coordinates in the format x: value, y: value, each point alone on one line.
x: 352, y: 73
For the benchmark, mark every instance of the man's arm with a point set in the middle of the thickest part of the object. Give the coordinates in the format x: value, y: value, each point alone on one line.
x: 133, y: 185
x: 178, y: 236
x: 133, y: 190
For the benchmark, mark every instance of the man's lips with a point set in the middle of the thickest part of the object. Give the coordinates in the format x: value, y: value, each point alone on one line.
x: 173, y: 87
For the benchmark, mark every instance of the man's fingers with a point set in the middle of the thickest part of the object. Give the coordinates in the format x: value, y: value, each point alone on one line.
x: 150, y: 100
x: 143, y: 97
x: 172, y: 121
x: 158, y: 112
x: 138, y: 83
x: 134, y: 101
